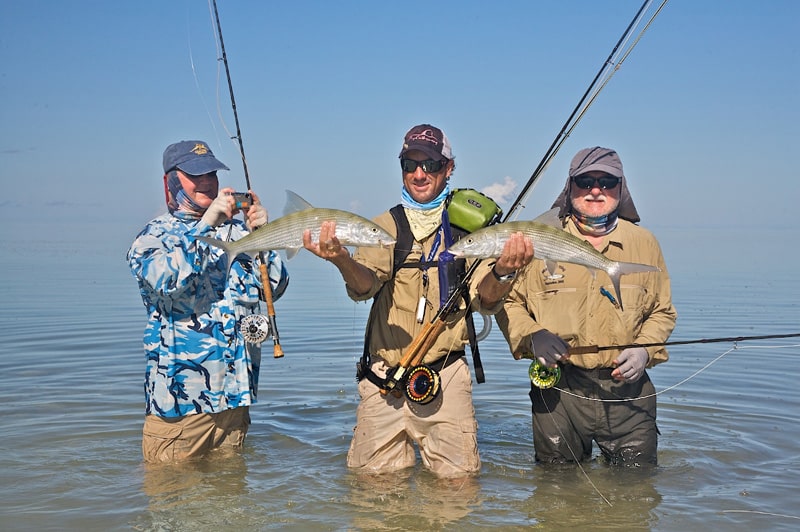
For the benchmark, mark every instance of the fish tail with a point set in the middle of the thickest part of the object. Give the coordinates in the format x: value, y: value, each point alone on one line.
x: 624, y: 268
x: 225, y: 246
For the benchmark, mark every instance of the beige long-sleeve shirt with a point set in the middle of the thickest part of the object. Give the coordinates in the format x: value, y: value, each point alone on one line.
x: 569, y: 303
x: 394, y: 325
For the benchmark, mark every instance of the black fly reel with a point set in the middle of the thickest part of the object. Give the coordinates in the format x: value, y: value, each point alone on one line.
x: 422, y: 385
x: 255, y: 328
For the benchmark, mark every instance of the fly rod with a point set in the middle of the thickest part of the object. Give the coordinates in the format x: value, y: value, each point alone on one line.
x: 584, y: 349
x: 583, y: 105
x: 427, y: 336
x: 267, y: 287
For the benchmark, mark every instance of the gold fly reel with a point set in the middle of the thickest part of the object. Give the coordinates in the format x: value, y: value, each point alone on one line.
x: 422, y: 385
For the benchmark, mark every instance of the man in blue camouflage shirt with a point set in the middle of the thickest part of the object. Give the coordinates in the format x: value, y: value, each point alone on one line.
x: 201, y: 374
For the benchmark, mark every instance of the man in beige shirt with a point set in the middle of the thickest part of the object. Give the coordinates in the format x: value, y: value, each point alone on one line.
x: 604, y: 397
x: 406, y: 298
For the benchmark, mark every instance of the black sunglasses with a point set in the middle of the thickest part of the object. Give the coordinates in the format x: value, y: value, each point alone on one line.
x: 429, y: 167
x: 587, y: 182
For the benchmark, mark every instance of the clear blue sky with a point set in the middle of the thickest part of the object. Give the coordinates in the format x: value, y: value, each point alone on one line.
x: 704, y: 112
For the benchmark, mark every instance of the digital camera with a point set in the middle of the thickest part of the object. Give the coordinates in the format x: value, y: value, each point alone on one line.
x: 243, y: 200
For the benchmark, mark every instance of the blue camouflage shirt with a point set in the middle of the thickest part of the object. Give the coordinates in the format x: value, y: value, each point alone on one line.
x: 197, y: 359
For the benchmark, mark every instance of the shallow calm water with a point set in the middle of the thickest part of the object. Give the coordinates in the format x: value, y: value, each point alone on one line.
x: 72, y: 411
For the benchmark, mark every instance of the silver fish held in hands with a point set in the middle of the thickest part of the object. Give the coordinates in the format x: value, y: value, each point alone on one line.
x: 550, y: 244
x: 286, y: 232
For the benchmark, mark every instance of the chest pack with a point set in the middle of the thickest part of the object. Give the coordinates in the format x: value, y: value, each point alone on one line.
x: 468, y: 211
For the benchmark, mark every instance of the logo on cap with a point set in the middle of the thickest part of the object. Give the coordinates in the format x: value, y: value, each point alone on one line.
x: 199, y: 149
x: 424, y: 136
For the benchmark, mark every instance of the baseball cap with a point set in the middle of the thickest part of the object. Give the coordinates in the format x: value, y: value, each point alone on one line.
x: 193, y: 157
x: 428, y: 139
x: 596, y: 158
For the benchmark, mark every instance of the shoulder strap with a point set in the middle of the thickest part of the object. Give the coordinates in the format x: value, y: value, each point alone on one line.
x: 405, y: 239
x: 402, y: 248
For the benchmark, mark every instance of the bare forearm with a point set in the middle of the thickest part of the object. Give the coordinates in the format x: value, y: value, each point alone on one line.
x: 356, y: 276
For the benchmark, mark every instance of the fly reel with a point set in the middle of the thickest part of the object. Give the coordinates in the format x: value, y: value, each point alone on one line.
x: 542, y: 376
x: 422, y: 385
x: 255, y: 328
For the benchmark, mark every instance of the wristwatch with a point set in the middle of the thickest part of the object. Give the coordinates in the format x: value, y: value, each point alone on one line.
x: 503, y: 279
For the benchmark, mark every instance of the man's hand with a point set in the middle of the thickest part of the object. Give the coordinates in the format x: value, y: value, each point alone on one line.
x: 328, y: 247
x: 256, y: 215
x: 220, y: 210
x: 630, y: 364
x: 517, y: 253
x: 548, y: 348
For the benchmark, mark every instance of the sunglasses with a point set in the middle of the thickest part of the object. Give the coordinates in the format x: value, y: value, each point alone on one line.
x: 429, y: 167
x: 587, y: 182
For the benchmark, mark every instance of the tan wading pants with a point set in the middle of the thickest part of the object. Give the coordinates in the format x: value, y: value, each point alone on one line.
x: 174, y: 439
x: 444, y: 429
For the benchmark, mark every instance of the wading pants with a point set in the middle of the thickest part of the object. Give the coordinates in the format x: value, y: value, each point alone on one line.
x: 595, y: 407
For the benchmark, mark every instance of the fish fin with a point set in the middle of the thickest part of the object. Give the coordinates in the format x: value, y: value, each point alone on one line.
x: 291, y: 252
x: 295, y: 203
x: 551, y: 266
x: 624, y: 268
x: 615, y: 282
x: 550, y: 218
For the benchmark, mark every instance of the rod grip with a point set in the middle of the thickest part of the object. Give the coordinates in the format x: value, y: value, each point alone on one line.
x: 583, y: 349
x: 277, y: 350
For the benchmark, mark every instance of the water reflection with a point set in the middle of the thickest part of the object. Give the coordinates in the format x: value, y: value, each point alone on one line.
x: 207, y: 492
x: 412, y: 499
x: 596, y: 496
x: 73, y: 417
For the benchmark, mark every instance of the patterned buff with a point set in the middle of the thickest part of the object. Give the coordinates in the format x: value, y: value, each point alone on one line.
x: 178, y: 202
x: 597, y: 225
x: 424, y: 218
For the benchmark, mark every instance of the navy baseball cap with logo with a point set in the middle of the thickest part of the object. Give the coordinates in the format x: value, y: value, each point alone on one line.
x: 193, y: 157
x: 428, y: 139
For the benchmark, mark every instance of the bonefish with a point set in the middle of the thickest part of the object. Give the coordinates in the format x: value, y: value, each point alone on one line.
x: 551, y: 244
x: 286, y: 232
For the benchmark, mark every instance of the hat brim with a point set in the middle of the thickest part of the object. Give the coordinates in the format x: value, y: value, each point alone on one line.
x: 426, y: 149
x: 610, y: 170
x: 201, y: 165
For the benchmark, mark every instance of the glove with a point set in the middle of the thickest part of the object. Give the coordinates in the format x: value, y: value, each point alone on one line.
x: 256, y: 216
x: 218, y: 211
x: 548, y: 348
x: 630, y: 364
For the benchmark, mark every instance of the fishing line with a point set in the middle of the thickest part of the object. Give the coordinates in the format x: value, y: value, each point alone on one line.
x: 197, y: 83
x: 583, y: 105
x: 578, y: 113
x: 684, y: 381
x: 572, y: 452
x: 770, y: 514
x: 264, y: 265
x: 222, y: 60
x: 616, y: 66
x: 449, y: 305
